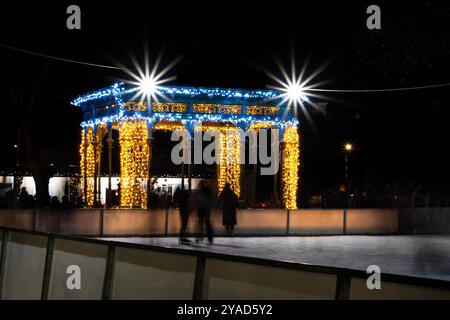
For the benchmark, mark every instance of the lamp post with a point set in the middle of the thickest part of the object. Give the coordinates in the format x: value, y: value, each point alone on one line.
x: 348, y: 148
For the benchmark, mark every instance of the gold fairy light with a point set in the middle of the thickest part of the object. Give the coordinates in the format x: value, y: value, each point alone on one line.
x: 261, y: 125
x: 228, y: 168
x: 168, y: 126
x: 134, y: 157
x: 290, y: 167
x: 87, y: 165
x: 82, y: 163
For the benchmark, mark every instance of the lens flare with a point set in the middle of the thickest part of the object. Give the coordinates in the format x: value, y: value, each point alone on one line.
x: 348, y: 147
x: 295, y: 92
x: 147, y: 86
x: 149, y: 80
x: 297, y: 88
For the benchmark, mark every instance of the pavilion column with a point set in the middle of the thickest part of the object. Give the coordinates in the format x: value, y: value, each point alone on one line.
x: 99, y: 171
x: 189, y: 166
x: 110, y: 142
x: 134, y: 163
x: 95, y: 145
x: 149, y: 161
x: 229, y: 168
x: 242, y: 166
x: 276, y: 190
x: 85, y: 145
x: 290, y: 166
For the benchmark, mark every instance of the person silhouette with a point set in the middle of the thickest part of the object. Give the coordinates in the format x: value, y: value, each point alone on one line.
x: 181, y: 199
x: 204, y: 200
x: 227, y: 200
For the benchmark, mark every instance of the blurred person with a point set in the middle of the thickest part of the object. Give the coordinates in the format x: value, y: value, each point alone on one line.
x: 23, y: 198
x: 55, y: 203
x: 204, y: 200
x: 181, y: 199
x: 227, y: 200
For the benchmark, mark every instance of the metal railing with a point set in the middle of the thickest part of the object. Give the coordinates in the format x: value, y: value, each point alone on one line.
x: 340, y: 283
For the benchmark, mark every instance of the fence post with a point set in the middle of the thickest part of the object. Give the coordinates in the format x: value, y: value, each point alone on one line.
x: 102, y: 217
x: 3, y: 258
x: 343, y: 283
x: 344, y: 225
x: 199, y: 278
x: 48, y: 267
x: 109, y: 270
x: 288, y: 221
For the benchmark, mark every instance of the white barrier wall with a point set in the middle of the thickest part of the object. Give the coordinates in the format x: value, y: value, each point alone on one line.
x: 121, y: 222
x: 273, y: 221
x: 235, y: 280
x: 24, y: 266
x: 91, y: 260
x: 16, y: 218
x: 142, y: 274
x: 317, y: 221
x: 69, y: 221
x: 133, y: 222
x: 372, y: 221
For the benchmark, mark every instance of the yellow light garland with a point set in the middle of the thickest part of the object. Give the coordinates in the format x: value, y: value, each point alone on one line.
x: 262, y: 110
x: 216, y: 108
x: 228, y: 168
x: 168, y: 126
x: 261, y: 125
x: 290, y: 167
x: 170, y: 107
x: 134, y: 157
x: 87, y: 165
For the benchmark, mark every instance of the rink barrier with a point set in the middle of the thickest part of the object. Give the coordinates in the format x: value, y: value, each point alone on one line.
x: 166, y: 222
x: 33, y: 266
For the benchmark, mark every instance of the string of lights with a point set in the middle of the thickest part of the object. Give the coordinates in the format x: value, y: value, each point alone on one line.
x: 87, y: 165
x: 134, y: 160
x: 290, y: 167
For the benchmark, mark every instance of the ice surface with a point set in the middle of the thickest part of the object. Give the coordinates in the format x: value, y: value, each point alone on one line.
x: 423, y: 256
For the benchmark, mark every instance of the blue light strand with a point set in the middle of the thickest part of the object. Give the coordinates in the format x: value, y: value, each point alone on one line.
x: 119, y: 89
x: 114, y: 90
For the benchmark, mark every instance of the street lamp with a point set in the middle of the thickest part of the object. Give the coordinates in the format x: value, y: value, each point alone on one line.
x: 348, y: 147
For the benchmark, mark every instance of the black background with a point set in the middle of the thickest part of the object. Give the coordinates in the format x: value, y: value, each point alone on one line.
x: 399, y: 136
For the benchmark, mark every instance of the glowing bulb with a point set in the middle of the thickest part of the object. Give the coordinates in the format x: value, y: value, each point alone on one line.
x: 295, y: 92
x: 348, y: 147
x: 148, y: 85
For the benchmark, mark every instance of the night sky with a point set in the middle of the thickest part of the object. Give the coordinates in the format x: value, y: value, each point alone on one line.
x: 399, y: 137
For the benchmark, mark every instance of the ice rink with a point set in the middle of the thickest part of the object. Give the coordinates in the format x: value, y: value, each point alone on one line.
x: 423, y: 256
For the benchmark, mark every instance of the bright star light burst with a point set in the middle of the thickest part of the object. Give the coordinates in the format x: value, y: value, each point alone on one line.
x: 148, y: 82
x: 295, y: 89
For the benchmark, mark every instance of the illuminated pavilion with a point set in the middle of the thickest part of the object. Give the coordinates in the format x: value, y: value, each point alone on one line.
x: 119, y: 108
